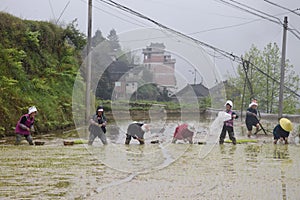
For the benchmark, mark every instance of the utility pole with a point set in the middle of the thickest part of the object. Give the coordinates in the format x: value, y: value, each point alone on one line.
x: 195, y: 76
x: 282, y: 69
x: 88, y: 63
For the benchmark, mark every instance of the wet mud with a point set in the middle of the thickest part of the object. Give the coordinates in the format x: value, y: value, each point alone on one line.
x: 161, y: 170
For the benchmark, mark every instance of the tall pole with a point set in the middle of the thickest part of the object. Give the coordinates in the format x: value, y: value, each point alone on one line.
x: 88, y: 64
x: 282, y: 69
x: 195, y: 76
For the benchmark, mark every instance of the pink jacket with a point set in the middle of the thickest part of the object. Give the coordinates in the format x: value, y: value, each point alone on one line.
x: 182, y: 132
x: 28, y: 123
x: 229, y: 122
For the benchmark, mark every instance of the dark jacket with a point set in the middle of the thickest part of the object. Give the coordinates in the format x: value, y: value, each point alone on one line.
x: 135, y: 129
x: 250, y: 118
x: 98, y: 119
x: 278, y: 132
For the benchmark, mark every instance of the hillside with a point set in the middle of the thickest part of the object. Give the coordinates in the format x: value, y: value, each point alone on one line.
x: 38, y: 65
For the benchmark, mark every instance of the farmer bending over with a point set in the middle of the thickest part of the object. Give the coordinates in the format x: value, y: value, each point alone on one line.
x: 136, y: 131
x: 184, y: 132
x: 25, y: 126
x: 282, y: 130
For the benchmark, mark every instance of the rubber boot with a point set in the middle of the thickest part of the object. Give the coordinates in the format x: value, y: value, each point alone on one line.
x: 233, y: 141
x: 221, y: 141
x: 127, y: 141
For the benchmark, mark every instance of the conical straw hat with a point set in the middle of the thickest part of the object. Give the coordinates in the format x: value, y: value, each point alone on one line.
x: 286, y: 124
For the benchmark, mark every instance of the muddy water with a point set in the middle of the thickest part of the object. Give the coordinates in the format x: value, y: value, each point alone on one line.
x: 153, y: 171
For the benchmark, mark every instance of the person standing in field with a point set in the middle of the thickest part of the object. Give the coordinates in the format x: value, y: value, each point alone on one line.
x: 25, y: 126
x: 97, y: 126
x: 228, y: 125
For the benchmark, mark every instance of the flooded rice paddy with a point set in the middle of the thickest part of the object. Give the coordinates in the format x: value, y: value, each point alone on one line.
x: 259, y: 170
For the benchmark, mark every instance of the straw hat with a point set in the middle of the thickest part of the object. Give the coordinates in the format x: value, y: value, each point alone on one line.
x: 286, y: 124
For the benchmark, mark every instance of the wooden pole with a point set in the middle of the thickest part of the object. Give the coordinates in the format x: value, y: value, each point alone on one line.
x: 282, y: 69
x: 88, y: 64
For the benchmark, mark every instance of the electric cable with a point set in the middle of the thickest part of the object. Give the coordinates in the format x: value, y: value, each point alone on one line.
x: 292, y: 11
x: 248, y: 11
x: 220, y: 51
x: 143, y: 24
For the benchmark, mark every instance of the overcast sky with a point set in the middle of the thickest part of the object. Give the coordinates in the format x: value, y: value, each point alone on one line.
x: 209, y: 21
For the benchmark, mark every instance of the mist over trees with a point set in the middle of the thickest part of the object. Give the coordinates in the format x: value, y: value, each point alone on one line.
x: 265, y: 88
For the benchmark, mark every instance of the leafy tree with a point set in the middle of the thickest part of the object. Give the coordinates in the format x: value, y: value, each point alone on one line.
x: 114, y: 40
x: 265, y: 88
x: 74, y: 36
x: 147, y: 92
x: 97, y: 38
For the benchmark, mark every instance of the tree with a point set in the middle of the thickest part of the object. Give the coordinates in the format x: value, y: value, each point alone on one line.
x: 74, y: 36
x: 97, y: 38
x: 266, y: 88
x: 114, y: 40
x: 147, y: 92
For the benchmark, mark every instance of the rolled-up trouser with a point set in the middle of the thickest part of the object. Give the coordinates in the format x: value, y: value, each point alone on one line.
x: 19, y: 138
x: 229, y: 129
x: 99, y: 134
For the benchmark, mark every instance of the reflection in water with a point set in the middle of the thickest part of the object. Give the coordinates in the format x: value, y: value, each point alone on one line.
x: 152, y: 171
x: 59, y: 172
x: 280, y: 152
x: 228, y: 152
x: 227, y: 148
x: 252, y: 150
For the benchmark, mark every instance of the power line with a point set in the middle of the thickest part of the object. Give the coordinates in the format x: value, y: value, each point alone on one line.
x: 224, y: 27
x: 293, y: 31
x: 197, y: 32
x: 126, y: 9
x: 207, y: 30
x: 220, y: 51
x: 109, y: 13
x: 292, y: 11
x: 62, y: 12
x: 273, y: 79
x: 256, y: 10
x: 248, y: 11
x: 52, y: 9
x: 143, y: 24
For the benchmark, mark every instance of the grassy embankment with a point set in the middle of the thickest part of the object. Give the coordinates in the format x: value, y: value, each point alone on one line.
x: 38, y: 65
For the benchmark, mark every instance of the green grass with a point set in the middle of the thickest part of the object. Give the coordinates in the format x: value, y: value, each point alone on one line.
x: 80, y: 141
x: 242, y: 141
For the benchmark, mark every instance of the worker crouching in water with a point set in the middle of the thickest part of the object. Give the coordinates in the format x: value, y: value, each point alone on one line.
x: 184, y: 132
x: 25, y: 126
x: 228, y: 125
x: 136, y: 131
x: 97, y: 126
x: 251, y: 118
x: 282, y: 130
